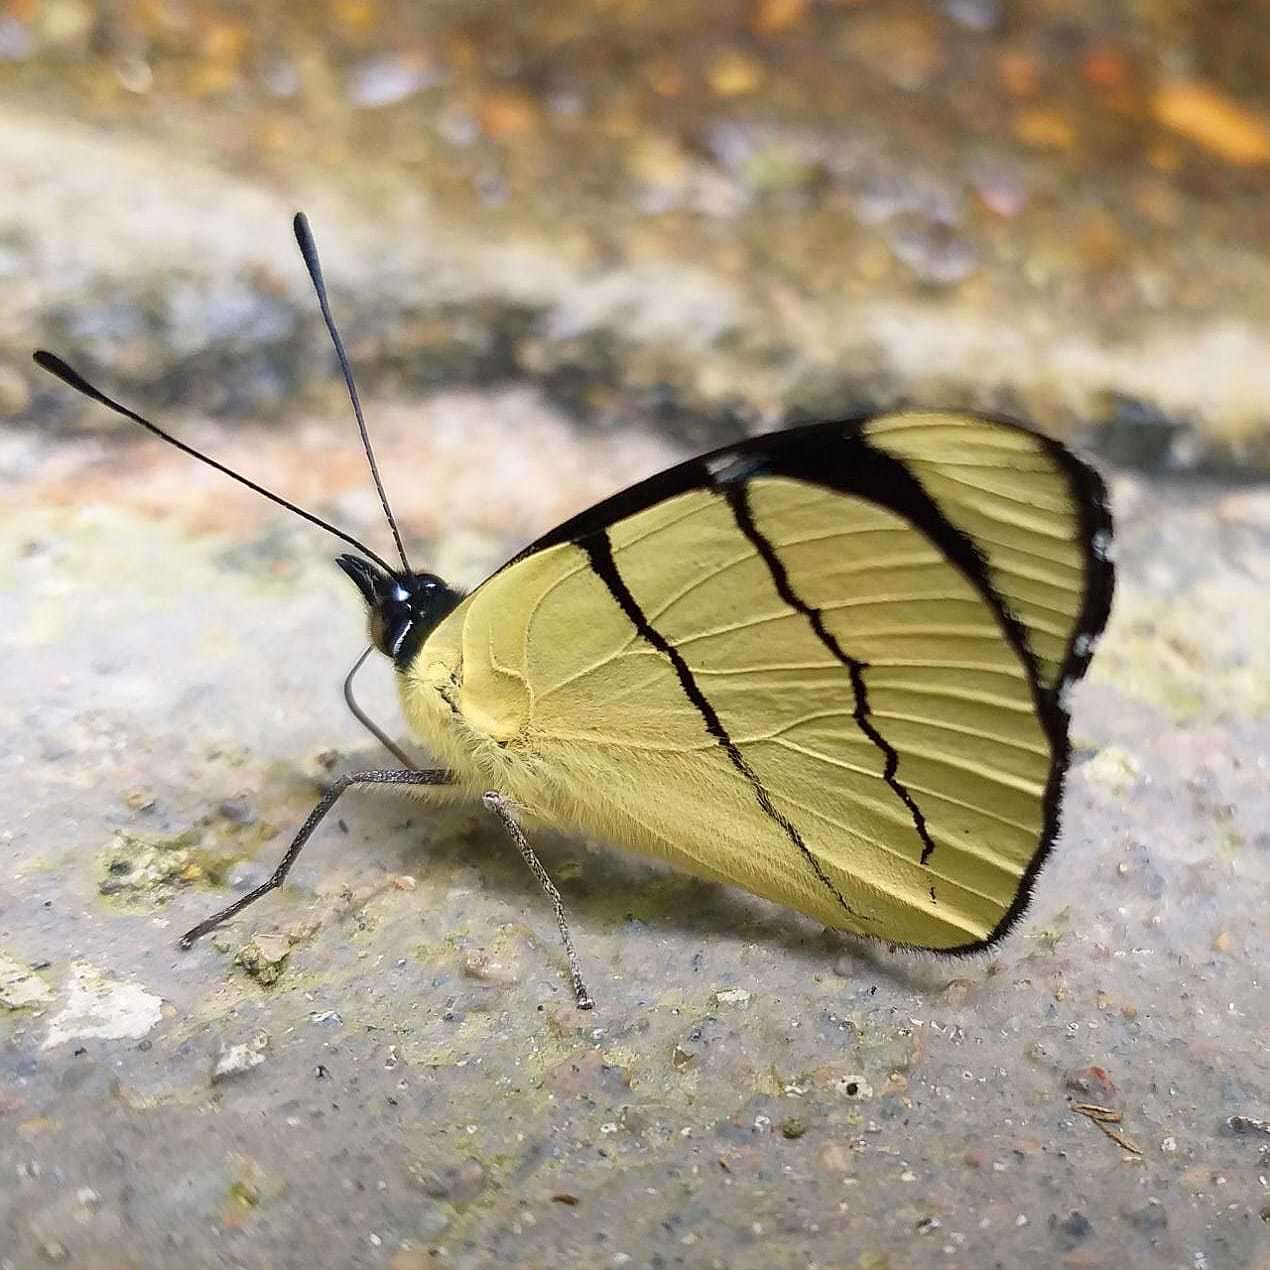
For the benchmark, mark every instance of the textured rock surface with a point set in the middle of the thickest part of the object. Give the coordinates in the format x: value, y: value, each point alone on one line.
x: 394, y: 1066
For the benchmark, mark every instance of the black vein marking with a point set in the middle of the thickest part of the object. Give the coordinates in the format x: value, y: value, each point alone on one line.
x: 599, y: 552
x: 738, y: 498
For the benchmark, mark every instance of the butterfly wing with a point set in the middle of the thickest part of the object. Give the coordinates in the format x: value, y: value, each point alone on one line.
x: 826, y: 665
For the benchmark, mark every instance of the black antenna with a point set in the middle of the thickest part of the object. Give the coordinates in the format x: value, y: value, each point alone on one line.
x: 308, y: 249
x: 73, y: 379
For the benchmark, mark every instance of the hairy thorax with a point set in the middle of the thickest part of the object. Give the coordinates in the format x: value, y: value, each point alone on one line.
x: 472, y: 715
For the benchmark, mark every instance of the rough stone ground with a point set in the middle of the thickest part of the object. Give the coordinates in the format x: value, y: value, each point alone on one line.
x: 401, y: 1069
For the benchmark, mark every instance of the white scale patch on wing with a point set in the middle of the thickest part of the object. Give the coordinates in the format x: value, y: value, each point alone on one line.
x: 726, y: 469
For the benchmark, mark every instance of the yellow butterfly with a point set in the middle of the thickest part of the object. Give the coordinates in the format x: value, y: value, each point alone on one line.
x: 829, y: 665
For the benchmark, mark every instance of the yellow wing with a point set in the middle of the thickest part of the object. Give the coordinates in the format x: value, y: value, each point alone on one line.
x: 825, y: 665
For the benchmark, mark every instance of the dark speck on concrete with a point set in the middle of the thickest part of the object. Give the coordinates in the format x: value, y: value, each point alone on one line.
x: 1071, y: 1231
x: 1151, y: 1218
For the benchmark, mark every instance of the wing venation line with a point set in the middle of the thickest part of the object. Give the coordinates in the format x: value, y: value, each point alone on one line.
x: 738, y: 500
x: 599, y: 552
x: 834, y: 823
x: 1030, y: 830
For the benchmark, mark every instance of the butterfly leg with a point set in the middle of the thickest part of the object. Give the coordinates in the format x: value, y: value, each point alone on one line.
x: 327, y: 801
x: 502, y: 808
x: 365, y: 720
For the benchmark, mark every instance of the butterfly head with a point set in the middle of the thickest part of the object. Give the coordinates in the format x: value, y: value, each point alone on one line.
x: 404, y: 607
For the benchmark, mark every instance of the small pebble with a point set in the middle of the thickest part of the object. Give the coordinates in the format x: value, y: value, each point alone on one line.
x: 139, y: 800
x: 234, y: 1060
x: 238, y: 810
x: 1093, y: 1084
x: 280, y: 77
x: 1113, y: 768
x: 1248, y: 1124
x: 480, y: 965
x: 264, y: 958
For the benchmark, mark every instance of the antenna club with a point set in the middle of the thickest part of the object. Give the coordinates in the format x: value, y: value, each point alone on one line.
x: 308, y: 249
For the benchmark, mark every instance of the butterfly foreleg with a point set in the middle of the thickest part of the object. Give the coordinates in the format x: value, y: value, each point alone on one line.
x: 365, y: 720
x: 502, y: 807
x: 327, y: 801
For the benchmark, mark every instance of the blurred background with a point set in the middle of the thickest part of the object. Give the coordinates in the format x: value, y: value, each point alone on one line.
x: 569, y: 243
x: 701, y: 216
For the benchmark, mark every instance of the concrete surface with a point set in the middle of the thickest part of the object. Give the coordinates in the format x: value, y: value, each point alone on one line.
x: 392, y: 1074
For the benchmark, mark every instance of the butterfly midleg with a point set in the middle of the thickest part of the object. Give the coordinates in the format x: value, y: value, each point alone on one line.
x: 502, y: 808
x: 327, y: 801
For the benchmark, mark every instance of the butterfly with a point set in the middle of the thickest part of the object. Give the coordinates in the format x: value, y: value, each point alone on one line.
x: 829, y: 665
